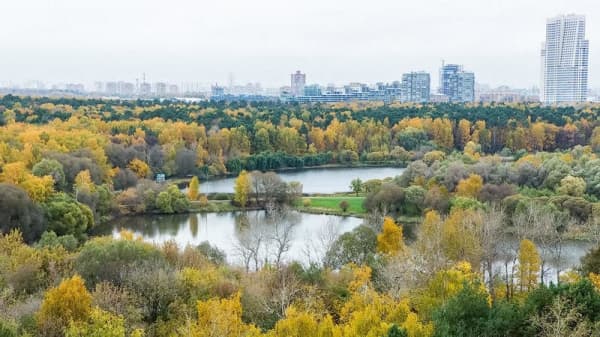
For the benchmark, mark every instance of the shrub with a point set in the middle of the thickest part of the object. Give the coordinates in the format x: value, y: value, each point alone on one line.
x: 344, y: 205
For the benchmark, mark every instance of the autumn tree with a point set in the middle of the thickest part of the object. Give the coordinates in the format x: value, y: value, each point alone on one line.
x: 390, y: 241
x: 140, y: 168
x: 221, y: 318
x: 529, y: 265
x: 100, y: 323
x: 573, y: 186
x: 470, y: 187
x: 69, y: 302
x: 193, y: 189
x: 242, y: 188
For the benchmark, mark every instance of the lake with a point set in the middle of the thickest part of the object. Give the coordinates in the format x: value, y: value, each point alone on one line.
x: 233, y: 231
x: 317, y: 180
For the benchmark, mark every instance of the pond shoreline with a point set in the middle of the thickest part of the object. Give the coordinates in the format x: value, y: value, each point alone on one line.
x: 185, y: 180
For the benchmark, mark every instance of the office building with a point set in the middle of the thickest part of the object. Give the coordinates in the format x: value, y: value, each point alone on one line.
x: 457, y: 84
x: 415, y: 87
x: 298, y: 81
x: 564, y: 59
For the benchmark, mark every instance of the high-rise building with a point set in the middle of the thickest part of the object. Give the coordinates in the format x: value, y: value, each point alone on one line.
x: 298, y: 81
x: 565, y: 60
x: 456, y: 83
x: 415, y: 87
x: 160, y: 88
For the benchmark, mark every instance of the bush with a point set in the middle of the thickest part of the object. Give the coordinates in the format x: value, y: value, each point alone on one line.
x: 107, y: 259
x: 306, y: 202
x: 344, y: 205
x: 220, y: 196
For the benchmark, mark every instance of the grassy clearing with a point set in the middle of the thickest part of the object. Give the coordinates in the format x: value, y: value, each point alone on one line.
x: 331, y: 205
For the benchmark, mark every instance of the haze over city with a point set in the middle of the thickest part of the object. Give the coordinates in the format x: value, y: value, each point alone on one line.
x: 264, y: 41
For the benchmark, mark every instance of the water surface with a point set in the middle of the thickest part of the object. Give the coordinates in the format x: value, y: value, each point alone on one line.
x: 318, y: 180
x: 229, y: 231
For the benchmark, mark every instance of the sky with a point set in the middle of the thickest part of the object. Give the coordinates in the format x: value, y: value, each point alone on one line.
x: 266, y: 40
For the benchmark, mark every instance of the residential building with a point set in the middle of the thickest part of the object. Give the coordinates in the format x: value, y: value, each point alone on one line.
x: 298, y: 81
x: 415, y: 87
x: 457, y: 84
x: 564, y: 60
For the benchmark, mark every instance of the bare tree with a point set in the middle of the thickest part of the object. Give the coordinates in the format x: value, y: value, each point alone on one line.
x: 316, y: 249
x: 251, y: 240
x: 491, y: 230
x: 546, y: 228
x: 281, y: 233
x: 561, y: 319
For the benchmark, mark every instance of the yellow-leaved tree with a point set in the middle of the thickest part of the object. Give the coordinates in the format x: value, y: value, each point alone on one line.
x: 222, y: 318
x: 390, y: 240
x: 140, y: 168
x: 101, y: 323
x: 470, y: 187
x: 193, y: 189
x: 242, y: 188
x: 69, y: 302
x: 529, y: 265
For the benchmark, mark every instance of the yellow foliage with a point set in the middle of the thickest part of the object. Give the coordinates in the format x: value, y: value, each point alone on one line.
x: 595, y: 279
x: 444, y: 285
x: 193, y: 188
x: 390, y: 240
x: 296, y: 324
x: 140, y: 168
x: 529, y: 265
x: 221, y: 318
x: 470, y: 187
x: 242, y: 188
x: 69, y: 302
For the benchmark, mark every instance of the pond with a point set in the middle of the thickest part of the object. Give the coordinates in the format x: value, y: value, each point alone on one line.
x: 236, y: 232
x: 318, y: 180
x: 309, y: 235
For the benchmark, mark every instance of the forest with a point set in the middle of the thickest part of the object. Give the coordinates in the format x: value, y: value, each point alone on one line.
x: 474, y: 173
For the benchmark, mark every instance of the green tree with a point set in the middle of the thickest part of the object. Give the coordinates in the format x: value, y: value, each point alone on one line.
x: 396, y: 331
x: 107, y: 259
x: 356, y: 186
x: 466, y: 314
x: 66, y: 216
x: 51, y: 167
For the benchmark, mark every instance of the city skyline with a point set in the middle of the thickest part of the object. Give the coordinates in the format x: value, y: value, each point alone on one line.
x: 499, y: 41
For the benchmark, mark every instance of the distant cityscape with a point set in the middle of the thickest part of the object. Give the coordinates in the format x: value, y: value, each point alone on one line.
x: 564, y: 79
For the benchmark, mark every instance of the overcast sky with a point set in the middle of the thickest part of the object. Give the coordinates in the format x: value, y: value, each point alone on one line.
x: 266, y: 40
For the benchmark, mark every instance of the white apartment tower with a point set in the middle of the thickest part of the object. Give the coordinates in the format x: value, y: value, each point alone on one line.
x: 298, y: 81
x: 565, y: 60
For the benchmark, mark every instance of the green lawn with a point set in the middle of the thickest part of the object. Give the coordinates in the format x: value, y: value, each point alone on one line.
x: 334, y: 203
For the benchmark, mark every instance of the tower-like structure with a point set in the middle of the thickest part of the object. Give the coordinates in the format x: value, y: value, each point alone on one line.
x: 415, y: 87
x: 455, y: 83
x: 298, y: 81
x: 564, y: 60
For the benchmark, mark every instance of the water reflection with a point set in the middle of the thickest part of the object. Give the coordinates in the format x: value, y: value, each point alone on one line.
x: 233, y: 232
